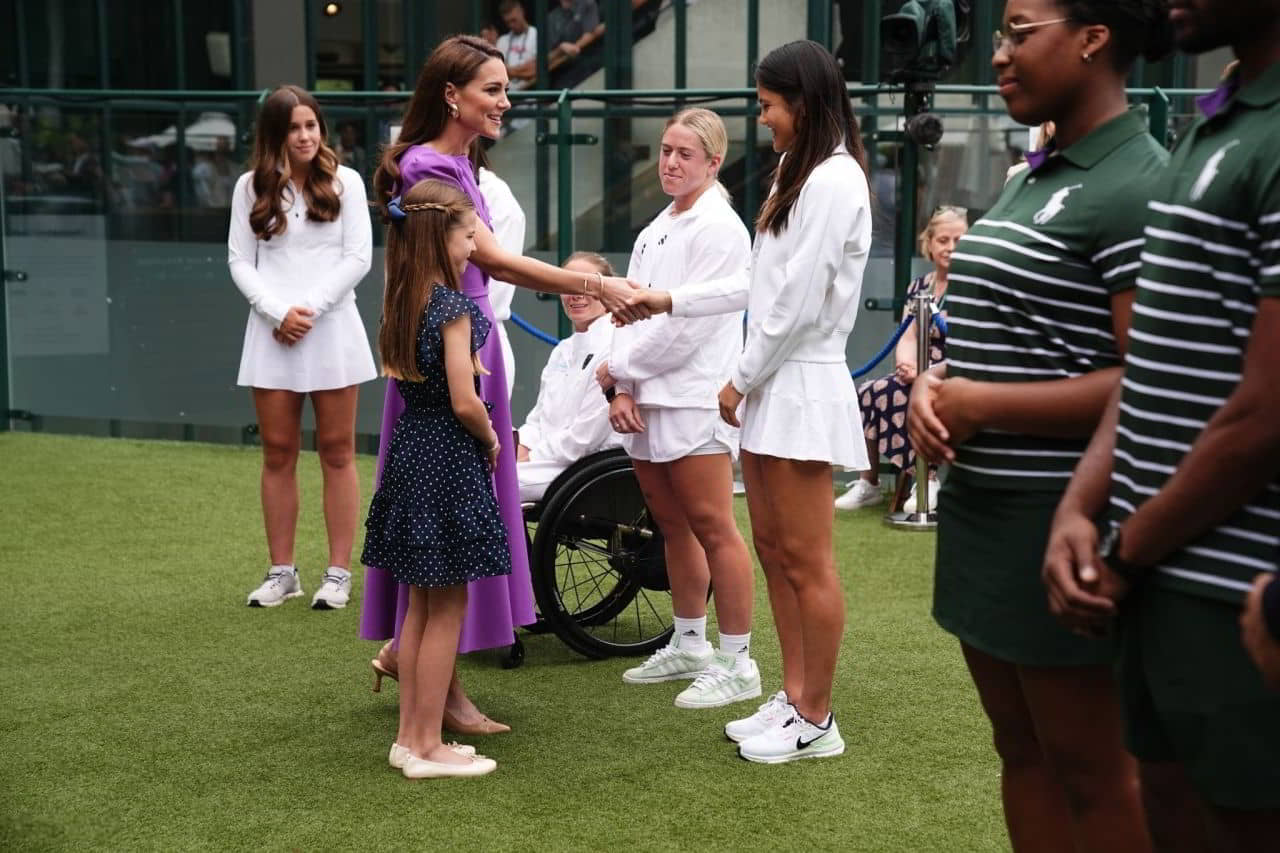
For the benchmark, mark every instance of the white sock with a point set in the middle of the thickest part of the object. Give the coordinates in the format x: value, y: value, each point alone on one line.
x: 282, y: 567
x: 690, y: 634
x: 736, y: 646
x: 339, y: 571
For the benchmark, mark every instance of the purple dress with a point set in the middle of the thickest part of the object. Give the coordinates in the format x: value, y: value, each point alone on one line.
x: 495, y: 605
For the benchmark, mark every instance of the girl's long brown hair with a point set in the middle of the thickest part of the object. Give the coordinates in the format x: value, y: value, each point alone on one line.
x: 808, y: 78
x: 455, y: 61
x: 271, y: 170
x: 417, y: 258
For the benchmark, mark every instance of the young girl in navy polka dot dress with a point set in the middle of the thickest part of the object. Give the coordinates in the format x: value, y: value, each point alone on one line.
x: 434, y: 519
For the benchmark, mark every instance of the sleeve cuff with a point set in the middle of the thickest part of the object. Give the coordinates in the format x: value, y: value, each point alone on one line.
x: 739, y: 382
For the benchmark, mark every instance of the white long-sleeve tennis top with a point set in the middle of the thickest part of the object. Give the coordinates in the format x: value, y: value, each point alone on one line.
x: 312, y: 264
x: 681, y: 362
x: 802, y: 287
x: 571, y: 417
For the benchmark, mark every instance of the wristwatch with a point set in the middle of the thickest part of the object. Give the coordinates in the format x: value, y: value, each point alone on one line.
x: 610, y: 393
x: 1109, y: 550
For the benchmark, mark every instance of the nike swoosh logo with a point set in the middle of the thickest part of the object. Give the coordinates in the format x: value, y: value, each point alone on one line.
x: 801, y: 743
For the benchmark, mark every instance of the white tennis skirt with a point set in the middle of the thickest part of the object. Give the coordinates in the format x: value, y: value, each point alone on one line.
x: 334, y: 354
x: 806, y: 411
x: 672, y: 434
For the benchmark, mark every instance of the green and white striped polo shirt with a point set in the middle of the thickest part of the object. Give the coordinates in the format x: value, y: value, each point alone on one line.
x: 1031, y: 286
x: 1212, y: 252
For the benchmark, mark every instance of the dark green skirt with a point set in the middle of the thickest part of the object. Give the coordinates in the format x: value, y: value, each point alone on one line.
x: 987, y: 589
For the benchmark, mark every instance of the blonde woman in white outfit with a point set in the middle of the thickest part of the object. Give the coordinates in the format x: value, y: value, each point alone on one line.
x: 662, y: 377
x: 299, y: 242
x: 796, y: 396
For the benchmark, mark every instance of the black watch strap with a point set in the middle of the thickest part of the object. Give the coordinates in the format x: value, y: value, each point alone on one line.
x: 610, y: 393
x: 1110, y: 553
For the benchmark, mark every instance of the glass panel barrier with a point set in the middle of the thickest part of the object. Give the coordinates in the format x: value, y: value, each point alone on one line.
x: 115, y: 209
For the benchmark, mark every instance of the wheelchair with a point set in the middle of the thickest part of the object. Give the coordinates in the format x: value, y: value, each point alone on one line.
x: 597, y: 562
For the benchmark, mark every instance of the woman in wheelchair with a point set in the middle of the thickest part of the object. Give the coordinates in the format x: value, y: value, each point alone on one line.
x: 662, y: 377
x: 569, y: 420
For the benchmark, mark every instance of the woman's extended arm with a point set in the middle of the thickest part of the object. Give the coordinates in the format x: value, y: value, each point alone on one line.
x: 536, y: 275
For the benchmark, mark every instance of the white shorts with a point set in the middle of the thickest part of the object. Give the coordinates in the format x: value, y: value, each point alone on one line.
x: 672, y: 434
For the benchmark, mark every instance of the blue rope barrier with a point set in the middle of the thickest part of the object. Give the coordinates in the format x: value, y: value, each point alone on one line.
x: 533, y: 330
x: 941, y: 322
x: 893, y: 342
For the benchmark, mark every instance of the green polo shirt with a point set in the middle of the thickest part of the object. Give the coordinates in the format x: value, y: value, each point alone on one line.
x: 1212, y: 253
x: 1031, y: 285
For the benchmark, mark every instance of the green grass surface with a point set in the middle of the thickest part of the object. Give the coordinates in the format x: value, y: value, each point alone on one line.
x: 145, y: 707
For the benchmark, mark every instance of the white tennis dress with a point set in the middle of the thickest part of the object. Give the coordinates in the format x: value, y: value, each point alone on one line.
x: 801, y: 293
x: 674, y: 367
x: 312, y: 264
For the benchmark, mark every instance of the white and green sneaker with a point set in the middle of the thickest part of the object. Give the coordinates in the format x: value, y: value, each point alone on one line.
x: 723, y: 682
x: 669, y: 663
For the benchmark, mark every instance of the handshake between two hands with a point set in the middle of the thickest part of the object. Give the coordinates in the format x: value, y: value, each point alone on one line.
x: 629, y: 301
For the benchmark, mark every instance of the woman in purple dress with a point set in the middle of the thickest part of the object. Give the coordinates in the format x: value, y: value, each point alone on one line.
x: 461, y: 95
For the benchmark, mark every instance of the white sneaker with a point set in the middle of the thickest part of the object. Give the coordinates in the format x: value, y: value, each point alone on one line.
x: 860, y: 494
x: 279, y: 586
x: 669, y: 663
x: 334, y: 592
x: 723, y: 682
x: 909, y: 505
x: 793, y: 739
x: 771, y: 712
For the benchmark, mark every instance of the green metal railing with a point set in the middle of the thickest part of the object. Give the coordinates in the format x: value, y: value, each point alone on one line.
x: 555, y: 113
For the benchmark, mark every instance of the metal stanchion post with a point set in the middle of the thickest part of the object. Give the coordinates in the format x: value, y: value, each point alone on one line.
x: 924, y: 518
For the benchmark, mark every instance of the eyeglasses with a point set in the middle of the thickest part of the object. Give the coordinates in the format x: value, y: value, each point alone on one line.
x: 951, y: 209
x: 1018, y: 34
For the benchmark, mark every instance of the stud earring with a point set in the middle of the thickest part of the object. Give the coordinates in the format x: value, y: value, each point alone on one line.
x: 1087, y: 57
x: 453, y: 110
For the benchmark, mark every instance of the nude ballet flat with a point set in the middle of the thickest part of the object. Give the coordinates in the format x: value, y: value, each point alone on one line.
x: 421, y: 768
x: 400, y: 754
x: 486, y: 726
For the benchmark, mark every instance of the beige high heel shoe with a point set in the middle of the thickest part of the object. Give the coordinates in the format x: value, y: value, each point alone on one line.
x: 385, y: 665
x: 486, y: 726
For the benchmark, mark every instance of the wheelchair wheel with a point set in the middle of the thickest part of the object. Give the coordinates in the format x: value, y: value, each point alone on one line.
x: 599, y: 572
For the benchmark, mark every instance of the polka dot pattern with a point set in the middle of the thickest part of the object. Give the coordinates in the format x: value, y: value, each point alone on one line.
x: 434, y: 520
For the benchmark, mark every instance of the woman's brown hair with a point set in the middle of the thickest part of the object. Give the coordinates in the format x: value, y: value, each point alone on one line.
x: 271, y: 170
x: 808, y: 78
x: 417, y: 259
x: 456, y: 60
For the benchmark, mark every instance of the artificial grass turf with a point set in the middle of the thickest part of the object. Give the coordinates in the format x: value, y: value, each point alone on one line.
x: 145, y: 707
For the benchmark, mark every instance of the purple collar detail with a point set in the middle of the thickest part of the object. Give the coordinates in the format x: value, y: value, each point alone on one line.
x: 1036, y: 159
x: 1214, y: 102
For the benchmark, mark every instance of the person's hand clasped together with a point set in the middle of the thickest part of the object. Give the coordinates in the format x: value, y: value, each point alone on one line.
x: 1039, y: 306
x: 298, y: 244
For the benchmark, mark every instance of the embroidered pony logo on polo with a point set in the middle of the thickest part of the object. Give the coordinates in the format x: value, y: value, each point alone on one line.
x: 1056, y: 204
x: 1210, y: 171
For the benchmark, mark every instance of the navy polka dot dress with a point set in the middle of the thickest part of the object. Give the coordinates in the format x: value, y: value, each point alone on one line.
x: 434, y: 520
